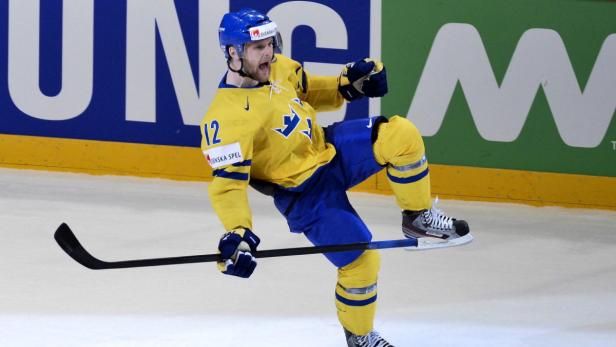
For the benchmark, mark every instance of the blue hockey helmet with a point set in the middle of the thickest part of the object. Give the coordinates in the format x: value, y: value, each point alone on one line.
x: 246, y: 25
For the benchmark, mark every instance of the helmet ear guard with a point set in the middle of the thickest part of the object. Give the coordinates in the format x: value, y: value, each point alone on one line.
x: 278, y: 43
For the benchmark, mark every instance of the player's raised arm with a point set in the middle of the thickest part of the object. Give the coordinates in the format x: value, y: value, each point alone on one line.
x: 321, y: 92
x: 366, y: 77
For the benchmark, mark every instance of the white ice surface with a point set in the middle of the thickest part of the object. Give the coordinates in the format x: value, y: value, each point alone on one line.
x: 532, y: 277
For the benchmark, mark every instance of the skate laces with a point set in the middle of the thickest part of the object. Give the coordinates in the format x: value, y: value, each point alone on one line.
x: 436, y: 218
x: 373, y: 339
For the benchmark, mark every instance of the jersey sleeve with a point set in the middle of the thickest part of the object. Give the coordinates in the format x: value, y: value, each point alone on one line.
x: 227, y: 147
x: 321, y: 92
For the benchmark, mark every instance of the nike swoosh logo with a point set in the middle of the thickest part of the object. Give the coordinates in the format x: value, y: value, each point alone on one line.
x: 370, y: 124
x: 247, y: 107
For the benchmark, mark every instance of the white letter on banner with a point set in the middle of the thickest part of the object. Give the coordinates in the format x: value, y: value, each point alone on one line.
x: 330, y: 31
x: 540, y: 59
x: 144, y: 17
x: 77, y: 61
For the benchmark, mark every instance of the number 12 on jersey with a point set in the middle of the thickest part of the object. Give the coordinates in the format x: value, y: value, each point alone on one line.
x: 211, y: 133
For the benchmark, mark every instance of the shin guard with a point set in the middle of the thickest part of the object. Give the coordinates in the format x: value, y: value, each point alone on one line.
x: 399, y: 145
x: 356, y: 293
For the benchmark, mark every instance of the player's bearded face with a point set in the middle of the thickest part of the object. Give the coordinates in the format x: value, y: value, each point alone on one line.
x: 258, y: 58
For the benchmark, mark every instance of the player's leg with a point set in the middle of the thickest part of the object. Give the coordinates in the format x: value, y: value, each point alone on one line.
x: 400, y: 147
x: 356, y: 300
x: 356, y: 287
x: 325, y: 215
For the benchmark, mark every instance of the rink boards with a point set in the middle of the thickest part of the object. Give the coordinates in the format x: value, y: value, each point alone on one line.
x: 186, y: 163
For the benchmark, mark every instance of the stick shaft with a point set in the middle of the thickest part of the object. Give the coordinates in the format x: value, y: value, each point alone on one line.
x: 71, y: 245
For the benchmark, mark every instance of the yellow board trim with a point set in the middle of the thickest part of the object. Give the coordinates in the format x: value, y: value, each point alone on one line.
x: 188, y: 163
x: 103, y: 158
x: 527, y: 187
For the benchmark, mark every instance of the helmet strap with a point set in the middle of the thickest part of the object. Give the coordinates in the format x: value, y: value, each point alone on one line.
x: 240, y: 71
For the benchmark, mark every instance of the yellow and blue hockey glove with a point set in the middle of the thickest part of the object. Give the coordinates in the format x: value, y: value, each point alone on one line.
x: 235, y: 252
x: 363, y: 77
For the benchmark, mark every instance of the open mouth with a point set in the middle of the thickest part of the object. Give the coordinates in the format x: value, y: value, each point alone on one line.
x: 264, y: 67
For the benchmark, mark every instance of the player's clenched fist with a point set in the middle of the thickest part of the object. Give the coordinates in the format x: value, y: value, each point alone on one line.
x: 235, y: 252
x: 363, y: 77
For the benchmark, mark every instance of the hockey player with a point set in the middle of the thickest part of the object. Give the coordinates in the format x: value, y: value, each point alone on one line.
x: 261, y: 130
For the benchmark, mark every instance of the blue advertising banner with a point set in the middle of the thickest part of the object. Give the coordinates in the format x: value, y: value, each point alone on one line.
x: 144, y: 71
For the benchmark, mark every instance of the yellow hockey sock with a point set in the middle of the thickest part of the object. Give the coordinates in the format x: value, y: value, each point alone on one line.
x: 399, y: 145
x: 356, y: 293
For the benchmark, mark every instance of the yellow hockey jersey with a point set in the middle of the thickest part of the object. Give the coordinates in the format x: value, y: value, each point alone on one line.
x: 268, y: 132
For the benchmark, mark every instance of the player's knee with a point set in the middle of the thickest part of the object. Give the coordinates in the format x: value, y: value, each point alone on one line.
x: 396, y: 126
x: 362, y: 272
x: 398, y: 140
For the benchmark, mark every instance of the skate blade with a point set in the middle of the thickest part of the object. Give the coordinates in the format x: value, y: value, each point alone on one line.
x: 426, y: 243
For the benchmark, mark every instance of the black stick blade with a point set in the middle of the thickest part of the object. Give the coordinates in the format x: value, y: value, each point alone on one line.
x: 68, y: 242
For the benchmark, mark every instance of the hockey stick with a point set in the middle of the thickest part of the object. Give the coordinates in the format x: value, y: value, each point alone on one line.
x: 69, y: 243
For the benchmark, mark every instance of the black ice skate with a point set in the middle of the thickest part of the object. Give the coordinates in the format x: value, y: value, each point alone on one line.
x: 432, y: 223
x: 372, y: 339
